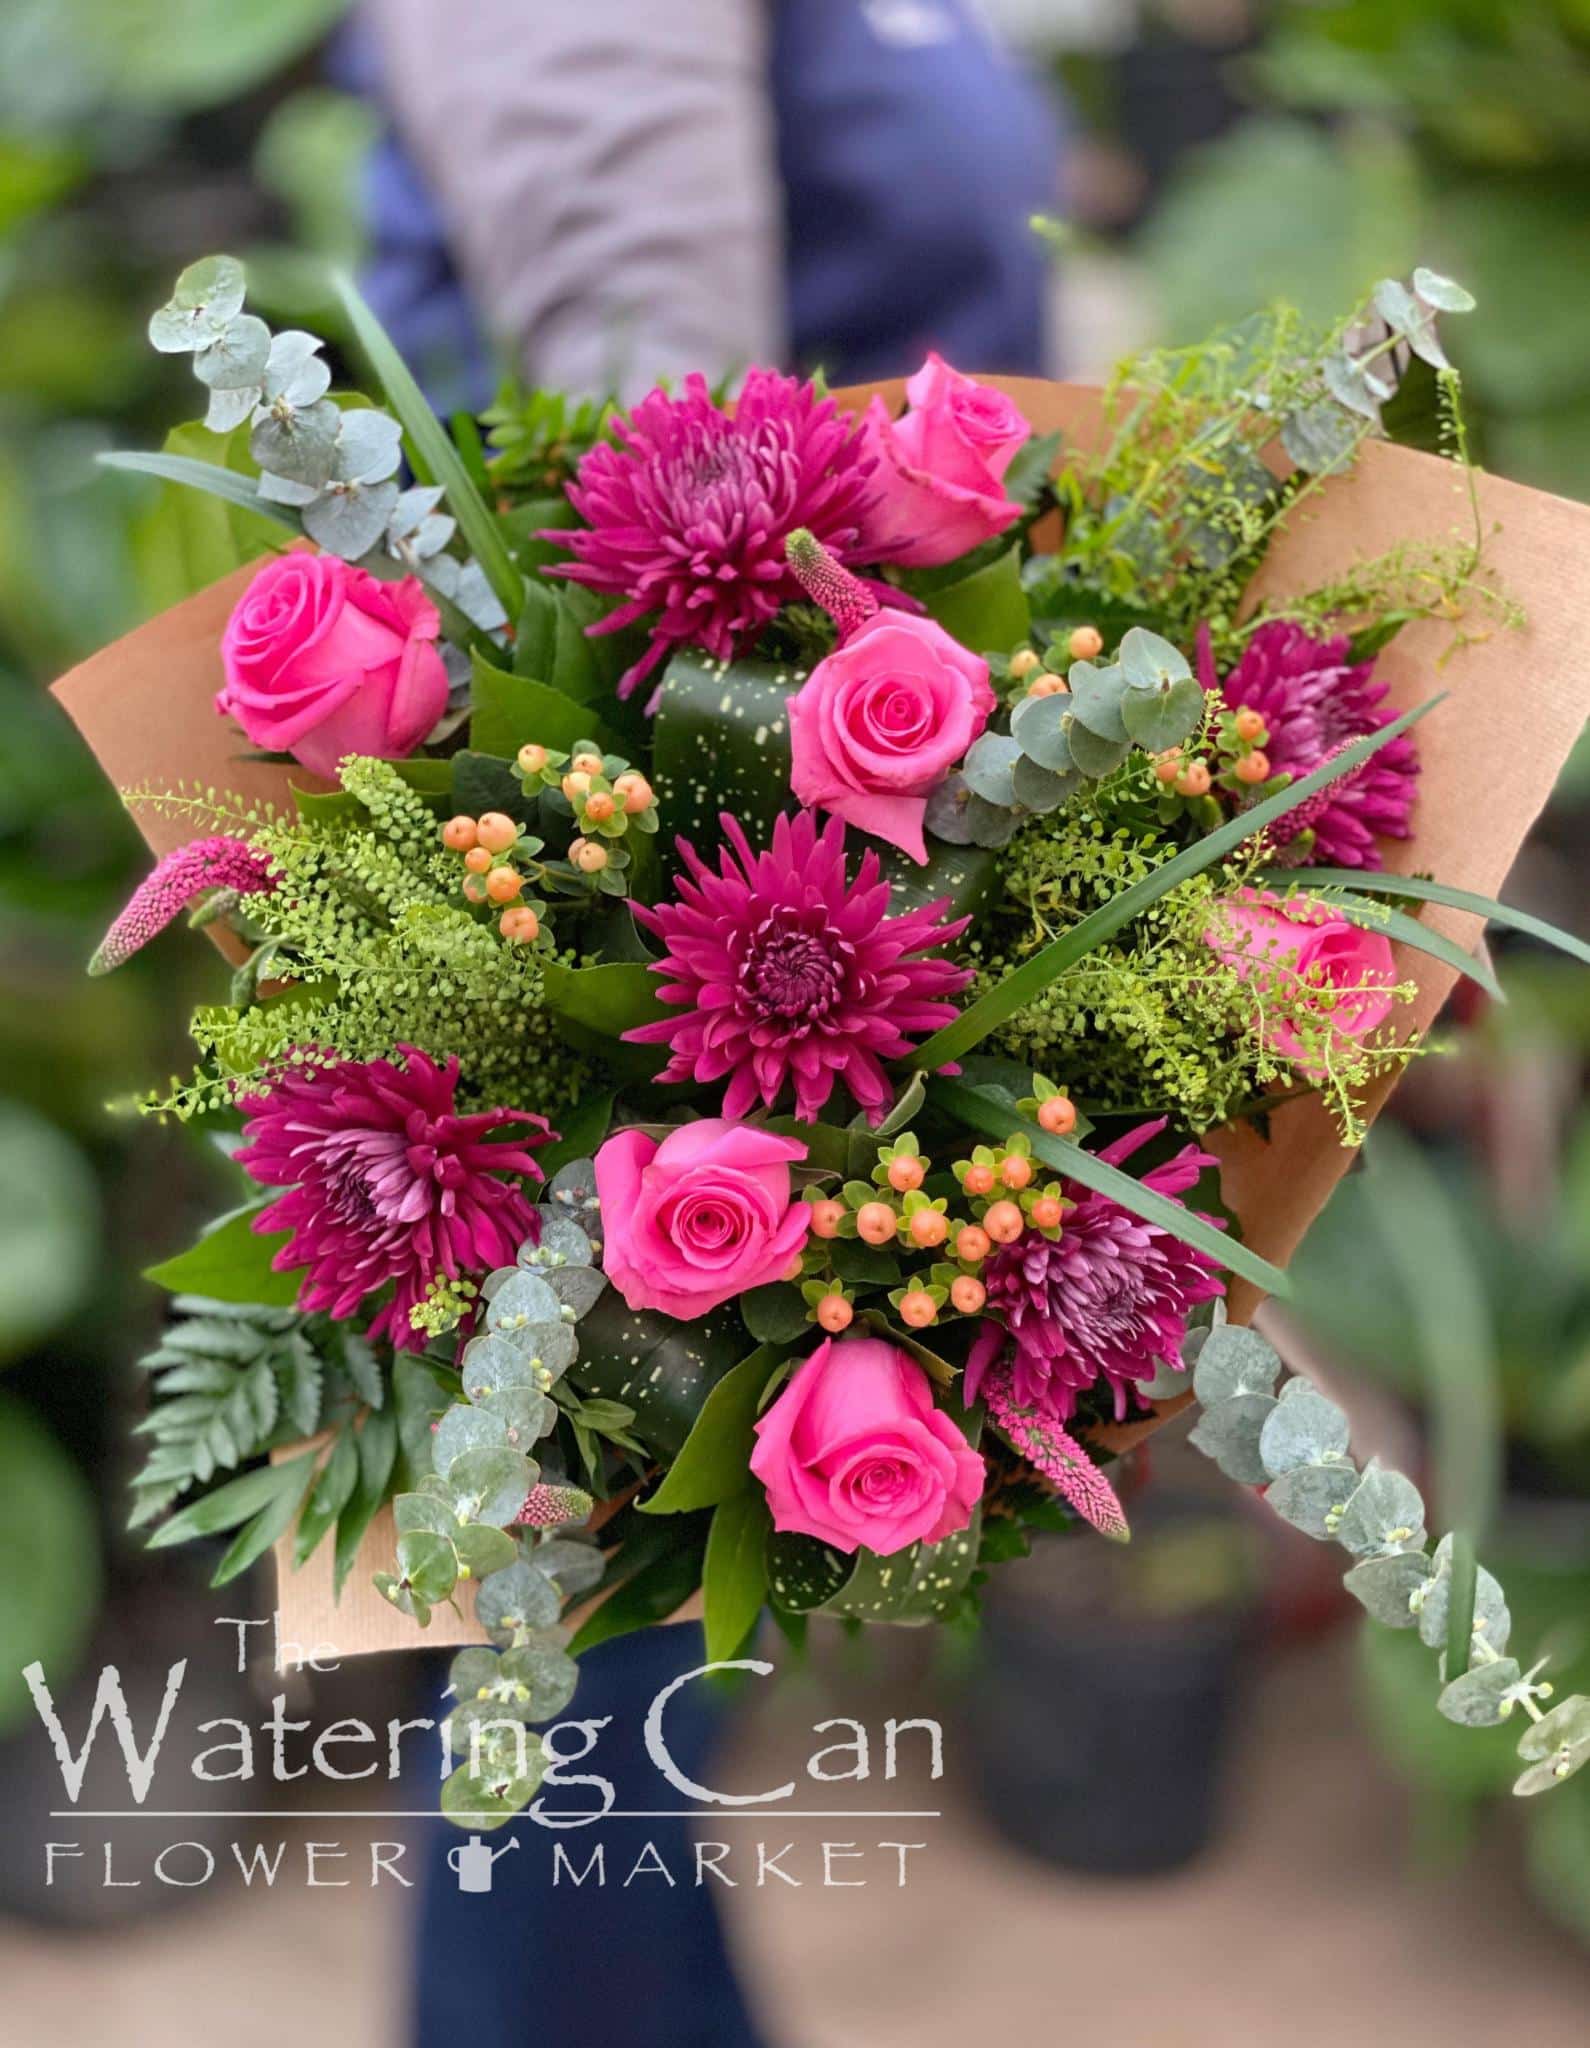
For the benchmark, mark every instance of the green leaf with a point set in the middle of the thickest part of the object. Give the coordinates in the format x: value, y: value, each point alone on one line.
x: 1462, y: 1584
x: 330, y: 1494
x: 428, y: 778
x: 1376, y: 883
x: 232, y: 1262
x: 775, y: 1314
x: 581, y: 1128
x: 378, y: 1443
x: 721, y: 743
x: 428, y: 1564
x: 273, y: 1520
x: 979, y: 1113
x: 655, y: 1592
x: 713, y: 1464
x: 1410, y: 931
x: 986, y: 611
x: 663, y: 1369
x: 236, y: 1501
x: 1023, y: 983
x: 510, y: 710
x: 435, y: 459
x: 803, y: 1572
x: 734, y: 1575
x: 610, y: 999
x: 237, y: 490
x: 918, y: 1584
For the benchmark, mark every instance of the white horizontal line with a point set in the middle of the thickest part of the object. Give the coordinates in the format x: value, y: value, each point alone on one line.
x: 433, y: 1813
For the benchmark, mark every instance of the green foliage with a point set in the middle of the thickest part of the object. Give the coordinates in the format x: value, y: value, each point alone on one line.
x: 539, y: 437
x: 368, y: 924
x: 231, y: 1262
x: 1151, y: 1016
x: 1293, y: 1443
x: 721, y: 743
x: 713, y: 1464
x: 231, y: 1381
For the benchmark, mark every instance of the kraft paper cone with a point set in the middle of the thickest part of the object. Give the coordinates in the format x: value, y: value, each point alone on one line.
x: 1490, y: 755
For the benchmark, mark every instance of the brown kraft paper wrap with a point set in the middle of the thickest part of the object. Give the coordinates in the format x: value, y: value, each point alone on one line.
x: 146, y: 707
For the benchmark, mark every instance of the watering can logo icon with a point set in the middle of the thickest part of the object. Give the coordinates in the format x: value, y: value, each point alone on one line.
x: 471, y: 1861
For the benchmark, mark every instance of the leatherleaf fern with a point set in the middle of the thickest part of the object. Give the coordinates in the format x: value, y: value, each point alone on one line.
x: 364, y: 945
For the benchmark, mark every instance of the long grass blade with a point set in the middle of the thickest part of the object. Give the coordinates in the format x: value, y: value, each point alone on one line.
x: 1033, y: 976
x: 1373, y: 882
x: 982, y: 1113
x: 433, y: 455
x: 202, y: 476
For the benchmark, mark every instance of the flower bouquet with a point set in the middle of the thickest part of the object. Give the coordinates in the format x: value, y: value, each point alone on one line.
x: 800, y: 964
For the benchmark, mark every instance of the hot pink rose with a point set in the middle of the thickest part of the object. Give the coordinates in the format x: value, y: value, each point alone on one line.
x: 854, y: 1451
x: 324, y: 660
x: 700, y: 1218
x: 881, y: 721
x: 1277, y: 945
x: 940, y: 469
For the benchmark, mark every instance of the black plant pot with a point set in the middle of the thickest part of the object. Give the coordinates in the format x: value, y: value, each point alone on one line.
x: 1098, y: 1730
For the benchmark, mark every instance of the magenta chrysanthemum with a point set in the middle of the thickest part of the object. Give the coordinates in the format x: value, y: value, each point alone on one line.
x: 1313, y: 700
x: 390, y: 1187
x: 172, y: 884
x: 1108, y: 1299
x: 687, y: 515
x: 789, y: 971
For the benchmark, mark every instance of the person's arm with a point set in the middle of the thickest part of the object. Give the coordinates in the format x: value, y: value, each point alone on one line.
x: 606, y: 171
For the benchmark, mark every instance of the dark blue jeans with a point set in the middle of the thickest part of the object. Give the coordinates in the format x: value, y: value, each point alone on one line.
x: 530, y: 1961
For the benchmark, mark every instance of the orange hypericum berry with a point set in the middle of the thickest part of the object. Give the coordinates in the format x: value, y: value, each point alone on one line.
x: 600, y: 806
x: 504, y: 884
x: 591, y: 858
x: 1249, y: 724
x: 1047, y: 1211
x: 532, y: 759
x: 1057, y: 1114
x: 496, y: 831
x: 478, y: 860
x: 1045, y: 686
x: 1016, y: 1171
x: 835, y: 1313
x: 474, y: 889
x: 1023, y: 663
x: 575, y: 784
x: 1254, y: 767
x: 972, y: 1243
x: 587, y: 764
x: 1168, y: 766
x: 1004, y: 1222
x: 905, y: 1173
x: 633, y: 792
x: 827, y: 1217
x: 967, y: 1294
x: 875, y: 1222
x: 919, y: 1309
x: 460, y: 834
x: 520, y: 924
x: 979, y: 1180
x: 1085, y: 643
x: 927, y: 1228
x: 1193, y: 780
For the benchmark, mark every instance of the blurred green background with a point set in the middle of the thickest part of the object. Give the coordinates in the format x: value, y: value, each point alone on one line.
x: 1223, y: 153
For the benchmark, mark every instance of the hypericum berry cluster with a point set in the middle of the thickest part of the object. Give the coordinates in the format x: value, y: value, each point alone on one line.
x: 498, y: 861
x: 1239, y: 766
x: 1041, y: 675
x: 898, y: 1210
x: 604, y: 795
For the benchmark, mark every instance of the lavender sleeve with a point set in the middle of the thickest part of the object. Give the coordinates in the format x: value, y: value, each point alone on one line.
x: 606, y: 171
